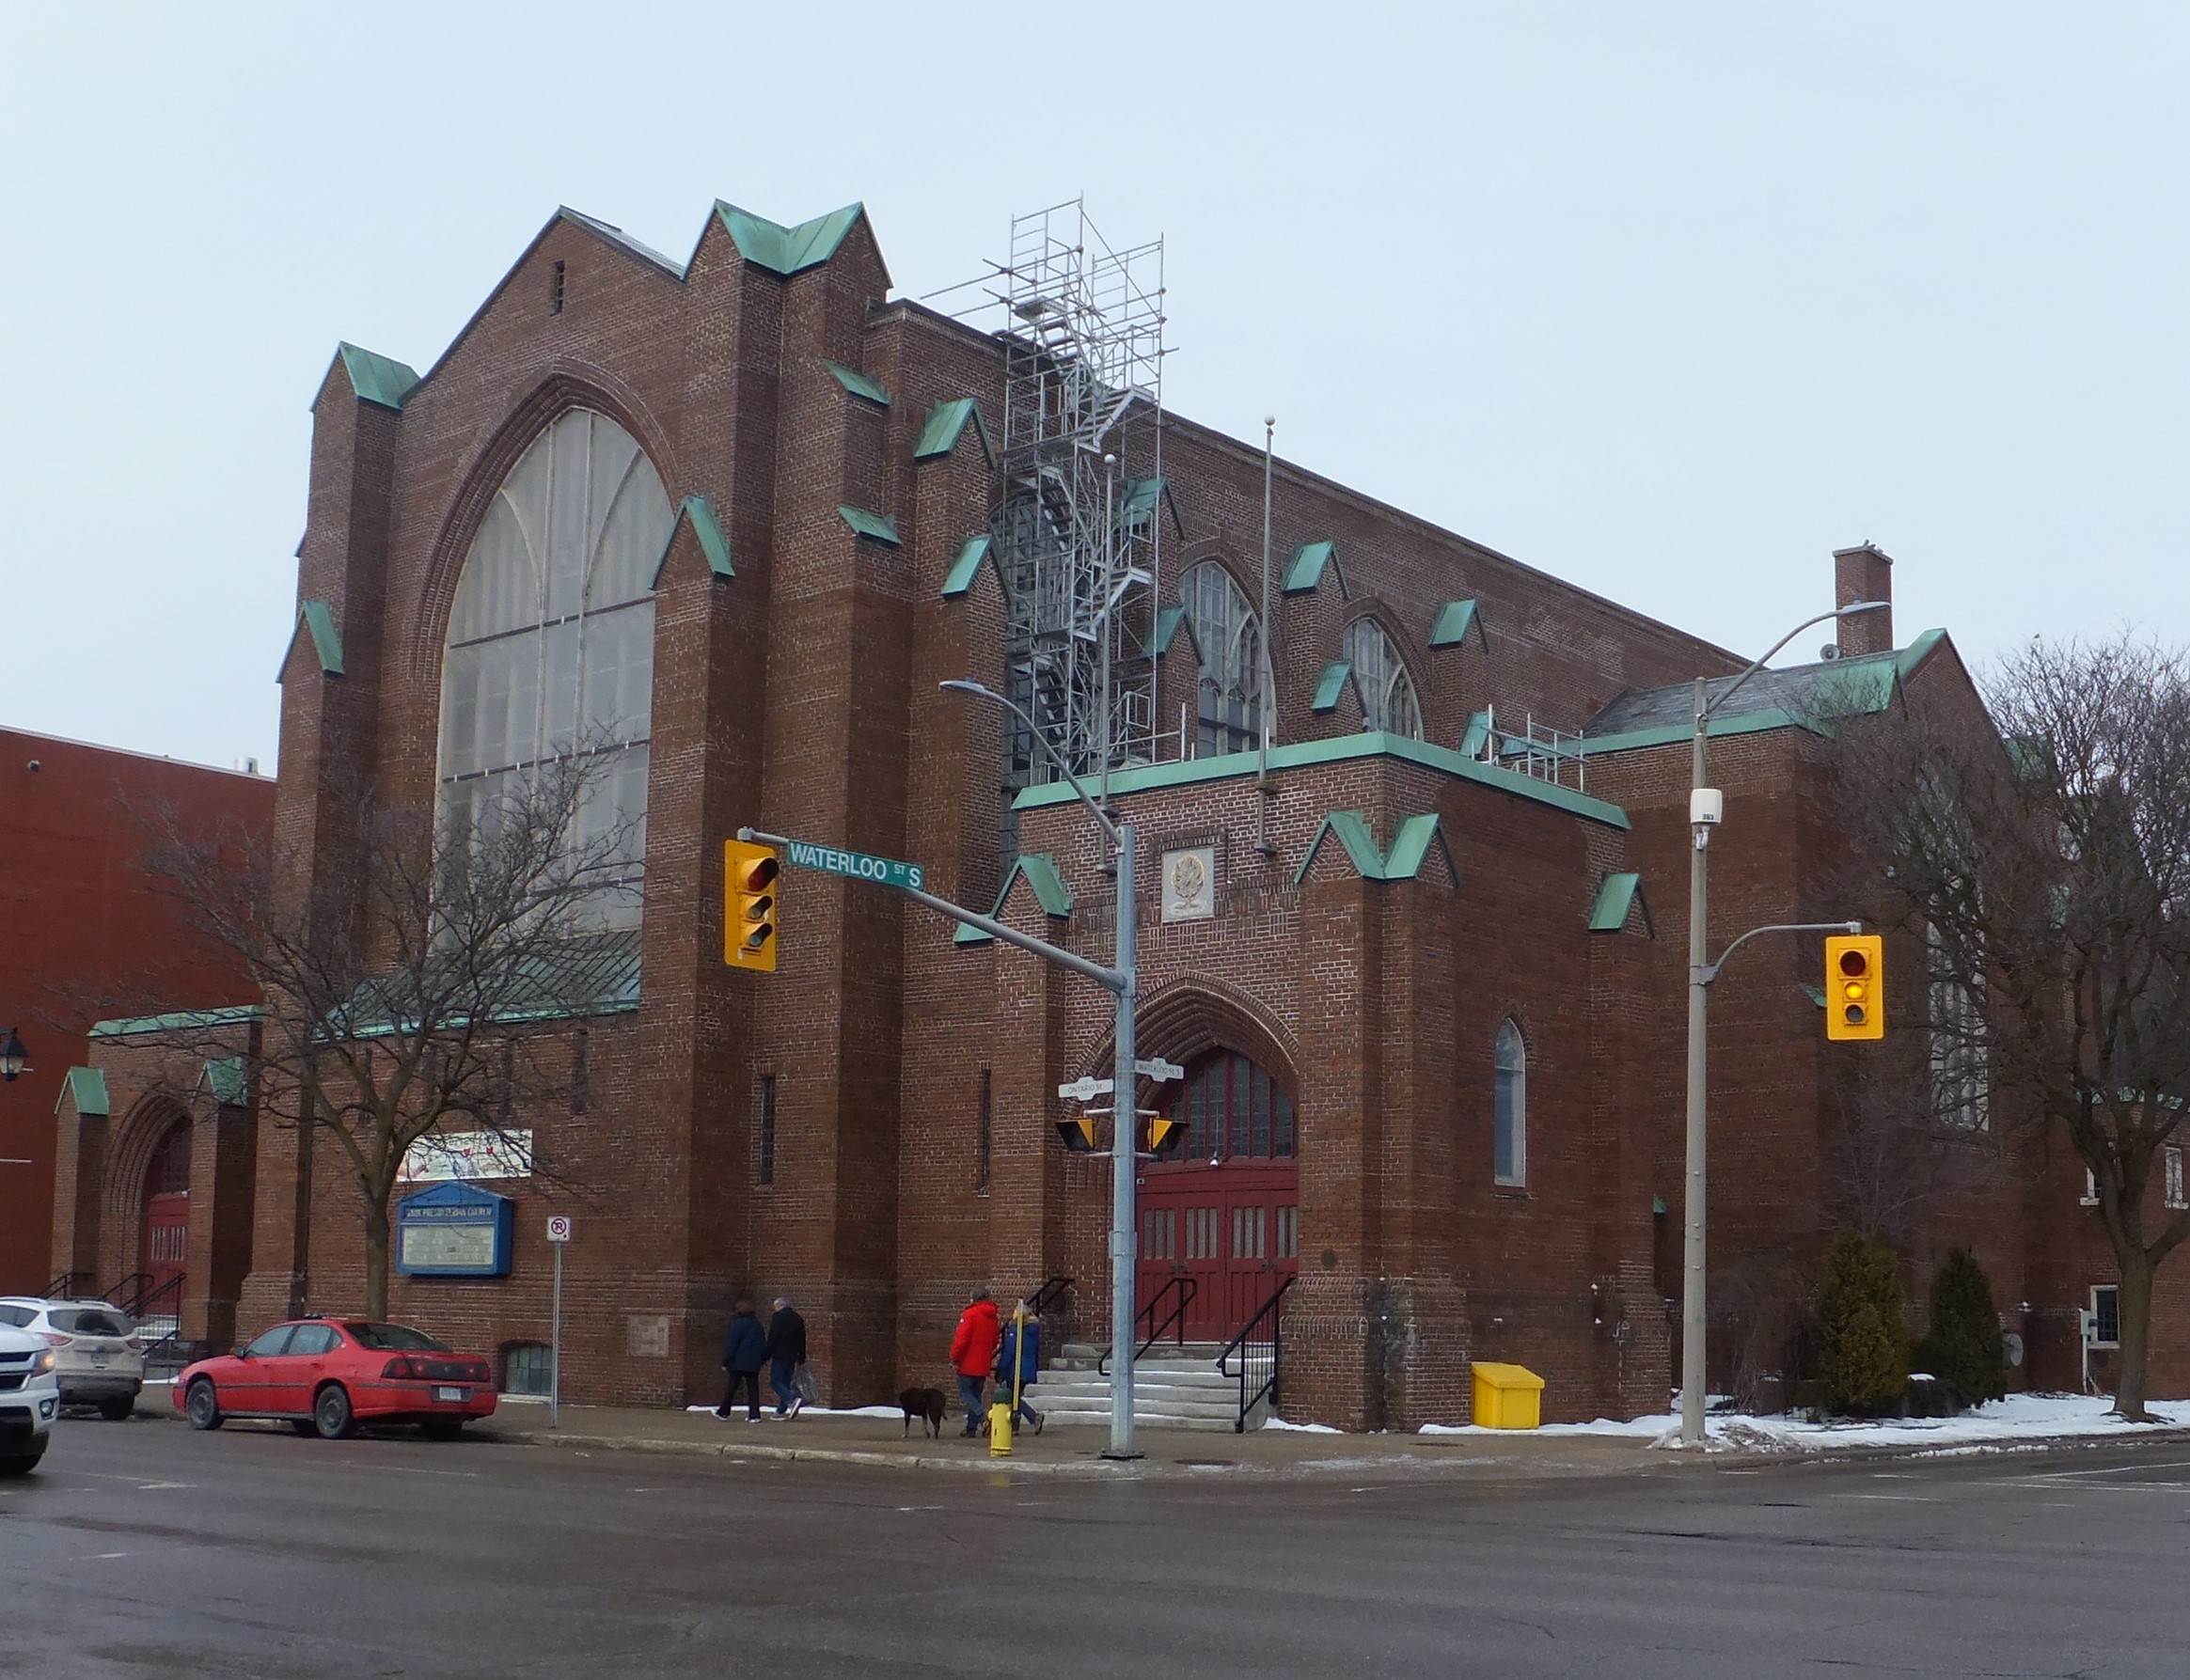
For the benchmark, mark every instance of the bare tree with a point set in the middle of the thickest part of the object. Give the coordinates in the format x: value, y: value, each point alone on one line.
x: 410, y: 968
x: 2040, y: 859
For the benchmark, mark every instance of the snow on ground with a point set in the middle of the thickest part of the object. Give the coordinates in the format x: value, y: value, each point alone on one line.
x: 1279, y: 1423
x: 1998, y: 1422
x: 824, y: 1411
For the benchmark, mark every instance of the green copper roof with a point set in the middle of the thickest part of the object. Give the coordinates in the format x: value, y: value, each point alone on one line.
x: 1331, y: 686
x: 224, y: 1075
x: 317, y: 618
x: 1140, y: 500
x: 946, y: 423
x: 1455, y: 619
x: 188, y: 1020
x: 707, y: 529
x: 1306, y: 570
x: 1039, y: 871
x: 86, y: 1087
x: 1409, y: 847
x: 1167, y: 623
x: 875, y: 527
x: 968, y: 563
x: 1475, y: 735
x: 1616, y: 901
x: 787, y: 251
x: 376, y: 379
x: 1297, y: 755
x: 857, y: 383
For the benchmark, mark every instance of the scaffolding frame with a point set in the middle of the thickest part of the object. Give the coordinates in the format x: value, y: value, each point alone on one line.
x: 1079, y: 528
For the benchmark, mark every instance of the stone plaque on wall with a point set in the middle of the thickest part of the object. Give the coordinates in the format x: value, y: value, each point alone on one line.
x: 650, y: 1335
x: 1189, y: 883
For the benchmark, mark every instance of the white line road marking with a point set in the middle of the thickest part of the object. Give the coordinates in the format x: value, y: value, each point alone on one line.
x: 1905, y: 1499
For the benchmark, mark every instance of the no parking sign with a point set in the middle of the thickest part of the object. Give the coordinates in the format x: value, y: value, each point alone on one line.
x: 559, y: 1228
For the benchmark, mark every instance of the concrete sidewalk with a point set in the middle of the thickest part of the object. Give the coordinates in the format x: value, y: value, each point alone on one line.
x: 838, y: 1438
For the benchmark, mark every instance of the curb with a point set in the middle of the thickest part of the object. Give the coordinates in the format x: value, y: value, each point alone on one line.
x: 624, y: 1443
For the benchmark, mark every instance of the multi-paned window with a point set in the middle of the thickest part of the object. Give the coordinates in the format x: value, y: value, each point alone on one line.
x: 2171, y: 1164
x: 2106, y: 1315
x: 1382, y: 680
x: 1232, y: 1107
x: 1509, y: 1104
x: 550, y: 652
x: 765, y: 1164
x: 1234, y: 678
x: 1960, y: 1067
x: 984, y: 1133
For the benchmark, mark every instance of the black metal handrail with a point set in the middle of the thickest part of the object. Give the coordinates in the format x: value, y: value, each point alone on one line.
x: 169, y: 1294
x: 1178, y: 1283
x: 1257, y: 1351
x: 127, y: 1292
x: 1052, y: 1290
x: 62, y: 1287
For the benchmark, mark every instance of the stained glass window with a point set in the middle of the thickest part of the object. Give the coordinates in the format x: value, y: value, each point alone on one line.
x: 1382, y: 682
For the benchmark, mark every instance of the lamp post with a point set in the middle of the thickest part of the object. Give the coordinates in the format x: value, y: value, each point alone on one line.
x: 1122, y: 984
x: 1706, y: 805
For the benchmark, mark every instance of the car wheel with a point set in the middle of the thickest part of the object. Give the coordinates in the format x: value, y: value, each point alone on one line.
x: 202, y: 1404
x: 117, y: 1408
x: 441, y: 1429
x: 331, y: 1414
x: 24, y: 1464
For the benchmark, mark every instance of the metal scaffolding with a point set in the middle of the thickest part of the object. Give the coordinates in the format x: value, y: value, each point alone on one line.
x: 1078, y: 526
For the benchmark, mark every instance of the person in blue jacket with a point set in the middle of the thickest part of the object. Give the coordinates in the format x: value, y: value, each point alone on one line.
x: 1026, y: 1355
x: 744, y: 1352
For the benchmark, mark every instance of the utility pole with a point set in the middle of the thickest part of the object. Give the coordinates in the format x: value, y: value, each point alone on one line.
x: 1706, y: 806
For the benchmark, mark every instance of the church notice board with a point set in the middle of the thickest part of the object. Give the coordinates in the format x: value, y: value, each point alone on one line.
x: 455, y: 1231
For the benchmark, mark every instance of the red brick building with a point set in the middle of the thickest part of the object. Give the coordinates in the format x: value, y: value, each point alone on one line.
x: 85, y: 928
x: 1423, y: 968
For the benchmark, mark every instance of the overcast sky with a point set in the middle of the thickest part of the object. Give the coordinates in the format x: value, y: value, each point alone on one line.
x: 1669, y: 300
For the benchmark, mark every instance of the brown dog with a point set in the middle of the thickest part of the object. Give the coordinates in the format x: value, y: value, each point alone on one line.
x: 928, y: 1404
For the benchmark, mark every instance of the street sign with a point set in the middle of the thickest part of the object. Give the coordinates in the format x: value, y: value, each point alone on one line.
x: 1087, y: 1085
x: 559, y: 1228
x: 860, y: 865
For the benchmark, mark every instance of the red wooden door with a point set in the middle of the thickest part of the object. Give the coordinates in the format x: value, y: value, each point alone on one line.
x: 165, y: 1252
x: 1234, y: 1231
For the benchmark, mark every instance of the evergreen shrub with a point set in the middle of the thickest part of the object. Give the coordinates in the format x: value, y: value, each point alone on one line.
x: 1863, y: 1338
x: 1962, y: 1347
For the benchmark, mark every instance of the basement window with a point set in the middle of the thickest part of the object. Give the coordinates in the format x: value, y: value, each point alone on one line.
x: 2106, y: 1315
x: 526, y: 1368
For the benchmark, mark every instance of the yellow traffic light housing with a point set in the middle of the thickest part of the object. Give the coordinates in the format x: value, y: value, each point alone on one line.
x: 749, y: 872
x: 1161, y: 1135
x: 1079, y: 1134
x: 1855, y: 986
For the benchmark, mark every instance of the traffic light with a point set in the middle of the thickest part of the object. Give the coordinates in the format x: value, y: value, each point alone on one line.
x: 1079, y: 1134
x: 1855, y: 986
x: 1161, y: 1136
x: 749, y: 905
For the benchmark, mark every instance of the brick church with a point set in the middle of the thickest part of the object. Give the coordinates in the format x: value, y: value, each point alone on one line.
x: 1412, y: 831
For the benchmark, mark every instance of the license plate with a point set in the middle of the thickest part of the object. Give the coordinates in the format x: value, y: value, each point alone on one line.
x: 451, y: 1394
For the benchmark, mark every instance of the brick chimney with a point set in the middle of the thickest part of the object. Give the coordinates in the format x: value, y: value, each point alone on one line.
x: 1863, y: 573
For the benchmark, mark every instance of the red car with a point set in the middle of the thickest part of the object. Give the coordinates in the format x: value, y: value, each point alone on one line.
x: 330, y: 1375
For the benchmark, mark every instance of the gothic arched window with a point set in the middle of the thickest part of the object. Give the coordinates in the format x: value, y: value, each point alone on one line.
x: 1233, y: 1108
x: 1382, y: 680
x: 1510, y: 1108
x: 550, y: 650
x: 1229, y: 707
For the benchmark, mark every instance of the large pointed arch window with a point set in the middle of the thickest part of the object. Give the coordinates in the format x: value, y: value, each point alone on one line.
x: 1382, y: 680
x: 1229, y: 702
x: 1233, y: 1109
x: 550, y: 650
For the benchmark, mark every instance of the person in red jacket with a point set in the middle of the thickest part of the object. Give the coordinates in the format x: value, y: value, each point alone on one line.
x: 973, y: 1352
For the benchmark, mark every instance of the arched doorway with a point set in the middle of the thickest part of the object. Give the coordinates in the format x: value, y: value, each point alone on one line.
x: 164, y: 1249
x: 1227, y: 1213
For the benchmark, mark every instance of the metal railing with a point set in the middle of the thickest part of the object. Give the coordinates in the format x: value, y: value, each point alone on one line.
x: 128, y: 1293
x: 1175, y: 1319
x: 62, y: 1287
x: 162, y: 1303
x: 1052, y: 1291
x: 1255, y: 1351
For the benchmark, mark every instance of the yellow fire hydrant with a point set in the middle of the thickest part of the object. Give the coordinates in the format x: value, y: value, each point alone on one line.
x: 1006, y: 1408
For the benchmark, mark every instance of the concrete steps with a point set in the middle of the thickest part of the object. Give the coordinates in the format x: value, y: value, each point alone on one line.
x: 1171, y: 1390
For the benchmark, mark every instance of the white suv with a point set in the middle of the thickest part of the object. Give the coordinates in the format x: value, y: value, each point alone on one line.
x: 98, y: 1355
x: 30, y: 1397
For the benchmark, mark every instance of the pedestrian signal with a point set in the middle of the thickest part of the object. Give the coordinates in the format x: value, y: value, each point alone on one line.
x: 1161, y: 1136
x: 1855, y: 986
x: 1079, y: 1134
x: 749, y: 905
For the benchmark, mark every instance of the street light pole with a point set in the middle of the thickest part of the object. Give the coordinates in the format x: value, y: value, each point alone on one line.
x: 1705, y: 808
x: 1124, y: 985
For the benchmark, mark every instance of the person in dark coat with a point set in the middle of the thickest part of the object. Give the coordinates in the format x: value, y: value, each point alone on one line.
x: 786, y: 1351
x: 1022, y: 1355
x: 973, y: 1352
x: 743, y: 1353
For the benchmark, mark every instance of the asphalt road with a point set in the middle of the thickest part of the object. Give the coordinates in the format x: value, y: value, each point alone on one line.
x: 142, y: 1548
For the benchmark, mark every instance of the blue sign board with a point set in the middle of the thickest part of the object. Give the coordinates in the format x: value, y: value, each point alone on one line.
x: 455, y: 1231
